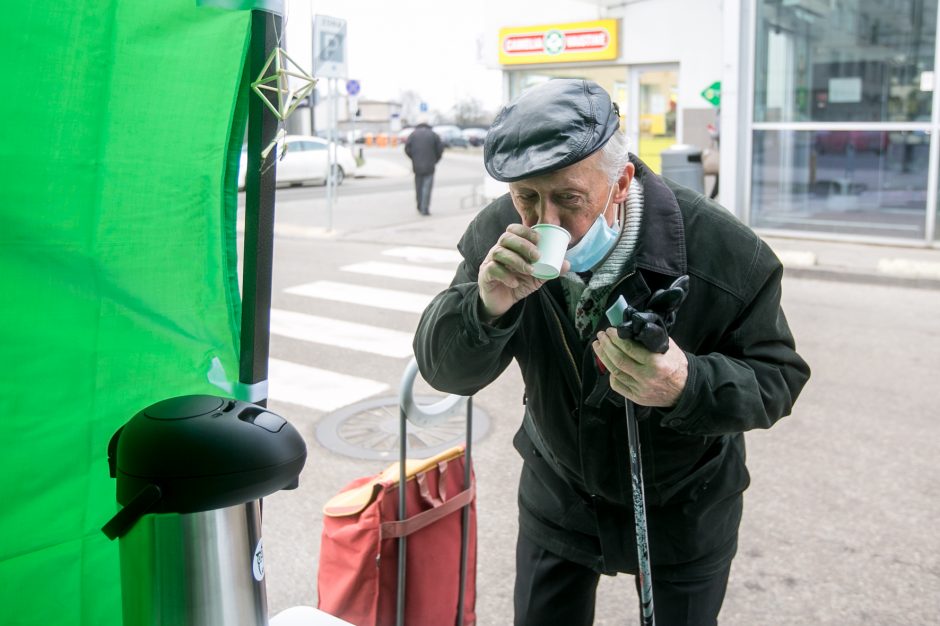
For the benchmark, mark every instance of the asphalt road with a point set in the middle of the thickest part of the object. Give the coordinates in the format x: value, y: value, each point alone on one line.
x: 840, y: 519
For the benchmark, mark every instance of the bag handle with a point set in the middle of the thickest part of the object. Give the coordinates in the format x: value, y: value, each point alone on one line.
x: 425, y: 490
x: 355, y: 500
x: 403, y: 528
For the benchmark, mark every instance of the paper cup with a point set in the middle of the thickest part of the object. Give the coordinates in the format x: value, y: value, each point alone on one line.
x: 553, y: 244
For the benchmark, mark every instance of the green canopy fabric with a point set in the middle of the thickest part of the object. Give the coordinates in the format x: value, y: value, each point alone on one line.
x: 120, y: 128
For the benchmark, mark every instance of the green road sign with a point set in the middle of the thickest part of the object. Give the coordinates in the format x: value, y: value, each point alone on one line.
x: 712, y: 93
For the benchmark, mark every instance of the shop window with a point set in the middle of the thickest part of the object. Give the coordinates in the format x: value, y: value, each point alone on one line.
x: 845, y: 61
x: 865, y: 183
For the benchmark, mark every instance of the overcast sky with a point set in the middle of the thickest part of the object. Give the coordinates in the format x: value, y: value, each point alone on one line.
x: 430, y: 47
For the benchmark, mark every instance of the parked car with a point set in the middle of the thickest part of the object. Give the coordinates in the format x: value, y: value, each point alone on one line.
x: 306, y: 160
x: 451, y: 136
x: 403, y: 134
x: 859, y: 140
x: 474, y: 136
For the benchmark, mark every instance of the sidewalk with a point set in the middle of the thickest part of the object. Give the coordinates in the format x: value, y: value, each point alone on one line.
x: 803, y: 258
x: 856, y: 262
x: 380, y: 168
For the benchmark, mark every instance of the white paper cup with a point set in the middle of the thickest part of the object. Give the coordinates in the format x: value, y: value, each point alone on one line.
x: 553, y: 244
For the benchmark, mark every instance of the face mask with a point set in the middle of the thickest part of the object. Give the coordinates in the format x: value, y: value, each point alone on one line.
x: 595, y: 244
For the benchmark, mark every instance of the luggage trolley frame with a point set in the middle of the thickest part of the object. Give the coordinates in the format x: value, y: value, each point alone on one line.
x: 424, y: 415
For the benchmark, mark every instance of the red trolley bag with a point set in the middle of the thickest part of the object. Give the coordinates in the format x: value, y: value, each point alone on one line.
x: 405, y: 557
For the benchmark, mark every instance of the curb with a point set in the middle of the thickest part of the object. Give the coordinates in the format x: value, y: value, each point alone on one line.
x: 852, y: 276
x: 890, y: 271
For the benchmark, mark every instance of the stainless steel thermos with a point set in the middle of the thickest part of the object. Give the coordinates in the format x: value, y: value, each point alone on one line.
x: 191, y: 472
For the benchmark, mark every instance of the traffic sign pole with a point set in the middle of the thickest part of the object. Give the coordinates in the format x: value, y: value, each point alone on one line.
x: 329, y: 61
x: 331, y: 138
x: 352, y: 89
x: 335, y: 163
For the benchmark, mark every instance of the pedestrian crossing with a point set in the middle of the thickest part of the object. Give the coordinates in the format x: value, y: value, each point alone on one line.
x: 418, y: 273
x: 425, y: 255
x: 398, y: 270
x: 317, y: 388
x: 349, y: 335
x: 378, y: 297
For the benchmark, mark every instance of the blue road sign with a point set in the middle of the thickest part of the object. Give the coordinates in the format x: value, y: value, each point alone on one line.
x: 352, y: 87
x: 423, y: 107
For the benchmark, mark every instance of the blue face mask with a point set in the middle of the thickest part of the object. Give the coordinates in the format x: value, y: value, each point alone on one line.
x: 595, y: 244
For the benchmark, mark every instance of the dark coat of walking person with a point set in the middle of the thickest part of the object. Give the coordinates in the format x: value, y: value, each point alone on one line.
x: 425, y: 149
x: 731, y: 364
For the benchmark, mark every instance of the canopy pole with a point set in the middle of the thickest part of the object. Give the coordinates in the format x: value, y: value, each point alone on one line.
x: 259, y: 213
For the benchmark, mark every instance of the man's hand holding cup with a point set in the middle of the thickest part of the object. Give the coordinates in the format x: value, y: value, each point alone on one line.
x: 513, y: 267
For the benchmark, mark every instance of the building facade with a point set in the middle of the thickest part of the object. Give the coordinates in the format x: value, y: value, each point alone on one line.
x: 825, y: 110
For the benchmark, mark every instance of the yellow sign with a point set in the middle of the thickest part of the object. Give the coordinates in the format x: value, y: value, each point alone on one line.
x: 559, y: 43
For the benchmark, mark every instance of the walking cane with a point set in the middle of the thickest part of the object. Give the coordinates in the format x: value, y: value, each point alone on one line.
x: 651, y: 329
x: 639, y: 520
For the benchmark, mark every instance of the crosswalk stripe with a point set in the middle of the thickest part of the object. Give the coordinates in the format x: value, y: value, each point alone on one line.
x: 417, y: 254
x: 293, y: 230
x: 400, y: 270
x: 368, y: 296
x: 315, y: 388
x: 332, y: 332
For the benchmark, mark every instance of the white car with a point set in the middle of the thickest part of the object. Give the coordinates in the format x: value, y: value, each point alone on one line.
x: 306, y: 161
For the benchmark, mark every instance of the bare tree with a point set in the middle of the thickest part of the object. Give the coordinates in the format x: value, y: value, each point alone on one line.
x: 410, y: 107
x: 470, y: 112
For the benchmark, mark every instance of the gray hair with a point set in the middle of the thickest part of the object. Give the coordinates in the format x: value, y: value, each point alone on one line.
x: 614, y: 156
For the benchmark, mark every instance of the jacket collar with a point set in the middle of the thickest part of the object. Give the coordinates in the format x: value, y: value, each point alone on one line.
x: 661, y: 244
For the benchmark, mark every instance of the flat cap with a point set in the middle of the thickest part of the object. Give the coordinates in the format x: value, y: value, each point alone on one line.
x: 550, y: 126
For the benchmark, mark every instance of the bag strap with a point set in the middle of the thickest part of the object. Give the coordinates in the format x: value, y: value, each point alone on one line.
x: 425, y: 491
x: 403, y: 528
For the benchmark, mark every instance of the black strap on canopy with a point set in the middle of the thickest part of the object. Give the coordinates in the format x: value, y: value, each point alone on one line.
x: 259, y: 212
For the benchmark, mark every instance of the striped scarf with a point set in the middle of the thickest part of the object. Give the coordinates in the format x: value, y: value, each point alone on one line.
x: 586, y: 300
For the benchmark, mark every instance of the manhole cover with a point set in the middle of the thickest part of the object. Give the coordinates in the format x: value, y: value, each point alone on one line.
x: 369, y: 430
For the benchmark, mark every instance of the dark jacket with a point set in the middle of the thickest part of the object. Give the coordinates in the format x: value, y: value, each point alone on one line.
x: 744, y: 373
x: 424, y: 148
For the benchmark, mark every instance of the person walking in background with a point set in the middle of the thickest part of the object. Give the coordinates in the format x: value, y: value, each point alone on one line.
x: 425, y: 149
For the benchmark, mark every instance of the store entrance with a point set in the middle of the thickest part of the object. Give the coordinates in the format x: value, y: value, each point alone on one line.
x: 646, y: 94
x: 651, y: 116
x: 613, y: 78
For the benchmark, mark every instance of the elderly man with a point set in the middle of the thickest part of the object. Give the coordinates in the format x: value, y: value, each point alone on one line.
x: 730, y: 365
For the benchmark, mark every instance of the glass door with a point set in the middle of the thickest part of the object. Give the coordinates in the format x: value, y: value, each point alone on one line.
x: 843, y: 118
x: 651, y: 122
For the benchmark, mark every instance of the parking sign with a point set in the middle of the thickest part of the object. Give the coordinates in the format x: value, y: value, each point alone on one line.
x: 329, y: 47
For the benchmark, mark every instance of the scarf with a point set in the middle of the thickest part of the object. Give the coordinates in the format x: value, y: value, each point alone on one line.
x: 586, y: 293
